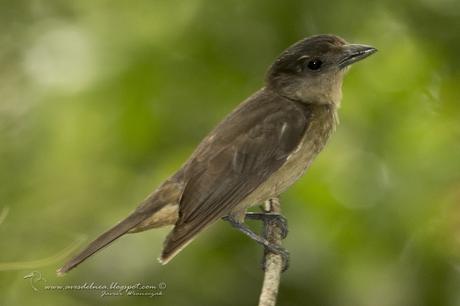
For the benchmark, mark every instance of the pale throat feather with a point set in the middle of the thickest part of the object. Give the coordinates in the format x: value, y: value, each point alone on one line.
x: 323, y: 90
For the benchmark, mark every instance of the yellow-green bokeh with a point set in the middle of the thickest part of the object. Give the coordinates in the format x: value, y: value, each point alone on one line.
x: 102, y: 100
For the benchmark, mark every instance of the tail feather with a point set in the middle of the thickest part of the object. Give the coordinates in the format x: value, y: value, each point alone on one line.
x: 168, y: 193
x: 103, y: 240
x: 180, y: 237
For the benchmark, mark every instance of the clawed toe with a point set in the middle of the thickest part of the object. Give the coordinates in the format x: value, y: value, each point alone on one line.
x: 269, y: 247
x: 279, y: 251
x: 278, y: 218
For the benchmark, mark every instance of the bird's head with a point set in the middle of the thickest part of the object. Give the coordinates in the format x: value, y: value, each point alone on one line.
x: 312, y: 69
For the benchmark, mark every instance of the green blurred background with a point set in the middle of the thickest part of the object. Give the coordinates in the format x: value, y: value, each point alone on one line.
x: 102, y: 100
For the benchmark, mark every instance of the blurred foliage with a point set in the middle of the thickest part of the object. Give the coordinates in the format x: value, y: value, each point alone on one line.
x: 102, y: 100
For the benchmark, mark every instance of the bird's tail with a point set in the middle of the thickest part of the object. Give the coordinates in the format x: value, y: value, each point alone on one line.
x: 103, y: 240
x: 168, y: 193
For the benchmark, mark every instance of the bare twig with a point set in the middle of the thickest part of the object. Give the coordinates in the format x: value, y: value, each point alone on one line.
x: 273, y: 262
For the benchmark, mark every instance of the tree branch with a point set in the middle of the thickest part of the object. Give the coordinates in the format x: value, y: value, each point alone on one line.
x: 273, y: 262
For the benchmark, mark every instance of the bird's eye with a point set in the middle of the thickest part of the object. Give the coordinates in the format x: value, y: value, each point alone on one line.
x: 314, y: 64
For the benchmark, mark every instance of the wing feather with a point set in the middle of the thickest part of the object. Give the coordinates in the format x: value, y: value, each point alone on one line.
x: 226, y: 170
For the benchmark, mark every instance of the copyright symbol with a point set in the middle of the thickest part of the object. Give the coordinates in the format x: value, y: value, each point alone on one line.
x: 162, y: 285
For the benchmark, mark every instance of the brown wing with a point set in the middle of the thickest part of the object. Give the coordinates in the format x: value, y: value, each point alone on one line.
x: 226, y: 170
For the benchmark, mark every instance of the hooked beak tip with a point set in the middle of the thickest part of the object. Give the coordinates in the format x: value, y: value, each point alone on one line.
x: 354, y: 53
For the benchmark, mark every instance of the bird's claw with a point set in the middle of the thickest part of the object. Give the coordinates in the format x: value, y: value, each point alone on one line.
x: 278, y: 218
x: 269, y: 247
x: 273, y: 248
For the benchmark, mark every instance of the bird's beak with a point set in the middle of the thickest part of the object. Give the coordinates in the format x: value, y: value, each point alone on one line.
x: 353, y: 53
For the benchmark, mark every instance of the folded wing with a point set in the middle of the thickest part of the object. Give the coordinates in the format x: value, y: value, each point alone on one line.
x: 226, y: 169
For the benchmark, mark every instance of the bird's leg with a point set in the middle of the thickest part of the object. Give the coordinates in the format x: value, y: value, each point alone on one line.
x: 266, y: 216
x: 275, y: 227
x: 261, y: 240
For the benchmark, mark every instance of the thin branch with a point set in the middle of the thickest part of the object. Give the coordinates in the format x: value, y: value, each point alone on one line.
x: 273, y: 262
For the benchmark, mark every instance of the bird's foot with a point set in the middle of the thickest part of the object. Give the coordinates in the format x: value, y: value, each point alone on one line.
x: 266, y: 217
x: 276, y: 249
x: 268, y: 246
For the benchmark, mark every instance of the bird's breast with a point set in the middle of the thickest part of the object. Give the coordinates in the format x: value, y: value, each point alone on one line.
x: 323, y: 121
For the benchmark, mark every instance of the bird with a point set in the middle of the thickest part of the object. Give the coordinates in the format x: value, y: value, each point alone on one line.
x: 253, y: 155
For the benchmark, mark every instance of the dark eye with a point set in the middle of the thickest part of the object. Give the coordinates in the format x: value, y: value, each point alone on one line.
x: 314, y: 64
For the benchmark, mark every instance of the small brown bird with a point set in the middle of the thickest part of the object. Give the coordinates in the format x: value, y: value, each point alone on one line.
x: 254, y: 154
